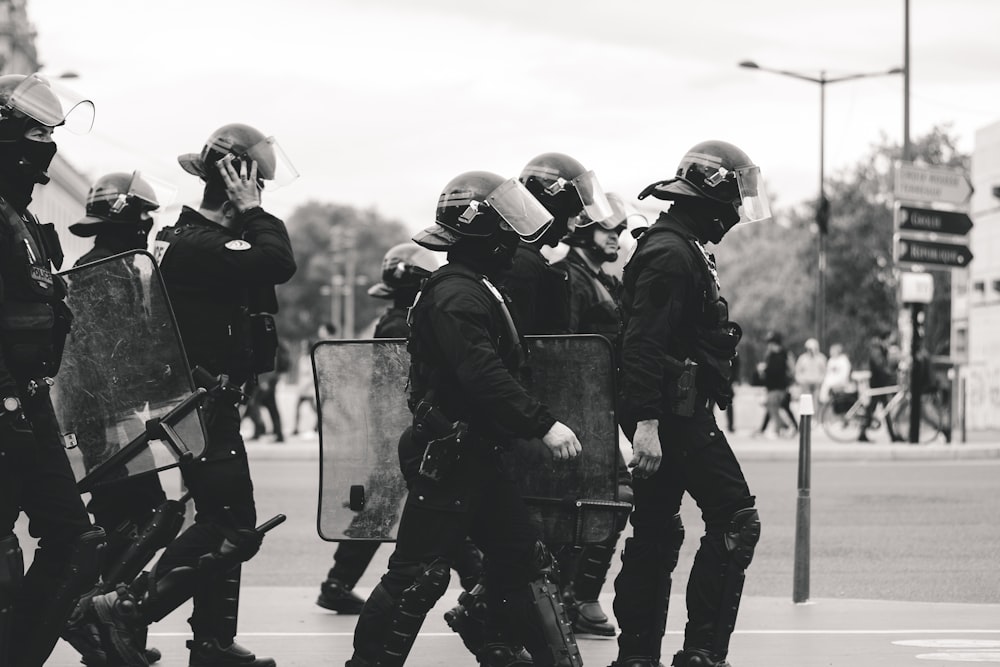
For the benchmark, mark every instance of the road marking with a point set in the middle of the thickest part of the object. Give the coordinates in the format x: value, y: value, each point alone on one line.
x: 968, y: 650
x: 949, y: 643
x: 669, y: 632
x: 963, y: 656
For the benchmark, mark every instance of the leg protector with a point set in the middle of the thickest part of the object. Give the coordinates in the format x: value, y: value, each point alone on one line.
x: 536, y: 616
x: 410, y: 611
x: 54, y: 595
x: 468, y: 618
x: 217, y: 608
x: 642, y: 591
x: 158, y: 532
x: 11, y: 576
x: 740, y: 539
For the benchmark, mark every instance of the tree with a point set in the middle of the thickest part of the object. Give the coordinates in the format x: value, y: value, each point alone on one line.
x: 305, y: 300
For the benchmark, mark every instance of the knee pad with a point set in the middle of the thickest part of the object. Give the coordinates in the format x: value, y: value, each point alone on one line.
x: 428, y: 588
x: 410, y: 611
x: 742, y: 536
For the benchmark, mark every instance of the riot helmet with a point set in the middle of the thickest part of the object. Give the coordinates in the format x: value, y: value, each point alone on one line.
x: 565, y: 188
x: 721, y: 173
x: 404, y: 267
x: 122, y: 201
x: 600, y: 238
x: 244, y: 144
x: 30, y: 106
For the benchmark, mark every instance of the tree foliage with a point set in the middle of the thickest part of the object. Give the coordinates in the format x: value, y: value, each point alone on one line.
x: 305, y: 300
x: 769, y: 271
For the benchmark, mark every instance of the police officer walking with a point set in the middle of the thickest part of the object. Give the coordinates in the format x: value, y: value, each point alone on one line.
x: 594, y: 297
x: 220, y: 264
x: 676, y: 364
x: 538, y: 293
x: 35, y: 475
x: 467, y: 405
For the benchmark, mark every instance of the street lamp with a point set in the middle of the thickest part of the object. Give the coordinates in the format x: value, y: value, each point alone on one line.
x: 823, y: 204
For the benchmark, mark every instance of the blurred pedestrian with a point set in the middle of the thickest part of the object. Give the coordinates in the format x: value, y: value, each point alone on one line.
x: 810, y: 369
x: 777, y: 378
x: 306, y: 388
x: 838, y: 373
x: 883, y: 374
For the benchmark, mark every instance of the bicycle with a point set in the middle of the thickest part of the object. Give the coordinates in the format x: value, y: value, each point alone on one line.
x: 845, y: 425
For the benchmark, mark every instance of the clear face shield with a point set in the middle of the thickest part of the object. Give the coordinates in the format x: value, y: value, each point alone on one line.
x: 596, y: 206
x: 754, y: 204
x: 520, y: 210
x: 272, y: 163
x: 52, y: 105
x: 614, y: 221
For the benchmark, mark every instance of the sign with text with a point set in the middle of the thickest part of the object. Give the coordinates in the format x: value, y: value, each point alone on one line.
x: 948, y: 185
x: 931, y: 254
x: 916, y: 287
x: 935, y: 222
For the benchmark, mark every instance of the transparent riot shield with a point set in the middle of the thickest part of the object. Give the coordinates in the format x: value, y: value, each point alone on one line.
x: 124, y: 396
x: 361, y: 392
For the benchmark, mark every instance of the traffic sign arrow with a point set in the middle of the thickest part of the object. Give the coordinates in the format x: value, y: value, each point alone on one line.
x: 927, y: 252
x: 930, y: 220
x: 931, y: 184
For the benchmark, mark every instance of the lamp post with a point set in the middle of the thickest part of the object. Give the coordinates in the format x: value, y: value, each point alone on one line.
x: 823, y: 204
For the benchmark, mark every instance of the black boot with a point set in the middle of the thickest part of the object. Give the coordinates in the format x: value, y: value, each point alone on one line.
x: 208, y: 653
x: 696, y: 657
x: 637, y: 662
x: 589, y: 619
x: 337, y: 596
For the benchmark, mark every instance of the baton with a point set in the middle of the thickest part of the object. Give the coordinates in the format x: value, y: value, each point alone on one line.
x: 273, y: 522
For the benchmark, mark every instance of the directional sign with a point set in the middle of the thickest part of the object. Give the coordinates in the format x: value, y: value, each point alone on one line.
x: 931, y: 184
x: 948, y: 255
x: 937, y: 222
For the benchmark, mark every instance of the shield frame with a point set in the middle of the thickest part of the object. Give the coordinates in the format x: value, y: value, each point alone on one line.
x: 591, y: 519
x: 166, y: 428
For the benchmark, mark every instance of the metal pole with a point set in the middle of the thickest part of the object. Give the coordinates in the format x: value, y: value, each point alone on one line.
x: 350, y: 271
x: 916, y: 310
x: 800, y: 573
x: 821, y: 269
x: 906, y: 80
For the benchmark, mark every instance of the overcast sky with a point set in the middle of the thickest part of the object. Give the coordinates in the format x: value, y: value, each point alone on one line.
x: 379, y: 103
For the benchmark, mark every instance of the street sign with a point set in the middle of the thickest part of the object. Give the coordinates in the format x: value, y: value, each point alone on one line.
x: 937, y: 222
x: 950, y: 255
x: 947, y: 185
x: 916, y: 287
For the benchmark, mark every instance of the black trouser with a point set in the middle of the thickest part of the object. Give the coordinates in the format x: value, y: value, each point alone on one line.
x: 478, y: 499
x: 223, y: 496
x: 41, y: 483
x: 880, y: 399
x: 697, y: 459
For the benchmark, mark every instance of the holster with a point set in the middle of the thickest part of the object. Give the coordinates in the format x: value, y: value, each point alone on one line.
x: 443, y: 437
x: 682, y: 391
x: 264, y: 340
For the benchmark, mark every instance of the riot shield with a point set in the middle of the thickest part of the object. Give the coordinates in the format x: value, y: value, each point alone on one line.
x: 361, y: 393
x: 124, y: 397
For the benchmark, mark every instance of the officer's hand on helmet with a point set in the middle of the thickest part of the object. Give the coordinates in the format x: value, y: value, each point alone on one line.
x: 562, y: 442
x: 646, y: 451
x: 241, y: 186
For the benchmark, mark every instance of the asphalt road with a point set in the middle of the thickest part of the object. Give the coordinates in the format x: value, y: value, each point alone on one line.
x: 885, y: 530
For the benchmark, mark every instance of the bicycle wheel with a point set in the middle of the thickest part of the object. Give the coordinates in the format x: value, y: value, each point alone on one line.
x: 932, y: 418
x: 842, y: 427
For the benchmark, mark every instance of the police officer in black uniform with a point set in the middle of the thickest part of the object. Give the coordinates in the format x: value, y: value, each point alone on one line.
x: 220, y: 264
x: 118, y: 218
x: 676, y: 363
x: 467, y: 405
x: 594, y: 296
x: 35, y: 475
x: 538, y: 293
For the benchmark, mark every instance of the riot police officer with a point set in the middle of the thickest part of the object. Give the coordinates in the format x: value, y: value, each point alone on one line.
x: 467, y: 405
x: 220, y: 264
x: 538, y: 293
x: 676, y: 364
x: 594, y: 296
x: 118, y: 218
x: 35, y: 474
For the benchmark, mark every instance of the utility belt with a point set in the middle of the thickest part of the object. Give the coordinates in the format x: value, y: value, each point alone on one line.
x: 445, y: 440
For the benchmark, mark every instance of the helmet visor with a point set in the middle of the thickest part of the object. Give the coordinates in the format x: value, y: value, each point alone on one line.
x: 754, y: 204
x: 613, y: 221
x: 52, y: 105
x: 272, y: 163
x: 520, y: 209
x: 596, y: 206
x: 150, y: 191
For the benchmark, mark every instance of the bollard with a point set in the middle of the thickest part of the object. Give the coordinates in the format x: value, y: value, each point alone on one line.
x: 800, y: 574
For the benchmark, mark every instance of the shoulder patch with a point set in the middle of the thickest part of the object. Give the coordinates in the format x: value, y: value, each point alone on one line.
x: 238, y: 244
x: 159, y: 249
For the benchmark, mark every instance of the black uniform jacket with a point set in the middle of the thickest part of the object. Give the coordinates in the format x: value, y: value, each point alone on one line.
x: 209, y: 272
x: 663, y: 293
x: 593, y: 298
x: 393, y: 324
x: 538, y: 292
x: 459, y: 342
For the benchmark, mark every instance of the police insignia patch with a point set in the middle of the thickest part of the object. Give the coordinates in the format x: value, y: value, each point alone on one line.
x: 238, y: 244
